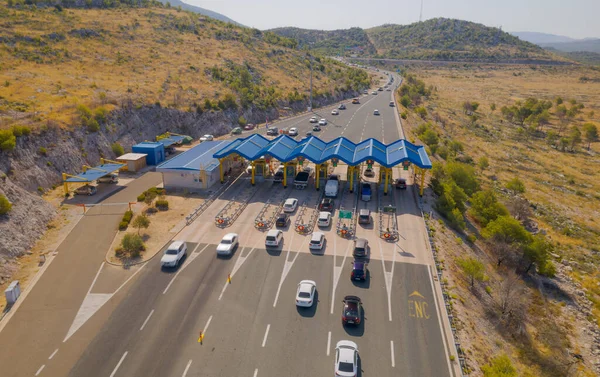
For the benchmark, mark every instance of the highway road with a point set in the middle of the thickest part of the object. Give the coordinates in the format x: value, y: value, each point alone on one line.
x: 237, y: 316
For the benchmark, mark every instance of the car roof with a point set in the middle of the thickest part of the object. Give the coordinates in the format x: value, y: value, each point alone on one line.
x: 347, y: 349
x: 327, y: 200
x: 317, y: 235
x: 306, y: 285
x: 229, y: 236
x: 352, y: 298
x: 360, y: 242
x: 176, y: 244
x: 324, y: 215
x: 359, y: 265
x: 290, y: 200
x: 273, y: 233
x: 364, y: 212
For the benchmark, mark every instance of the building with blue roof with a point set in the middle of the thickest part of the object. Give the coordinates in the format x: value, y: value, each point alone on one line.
x: 154, y: 150
x: 193, y: 169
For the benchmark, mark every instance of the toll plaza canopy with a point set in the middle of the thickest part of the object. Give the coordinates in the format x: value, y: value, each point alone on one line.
x: 93, y: 173
x: 173, y: 139
x: 285, y: 148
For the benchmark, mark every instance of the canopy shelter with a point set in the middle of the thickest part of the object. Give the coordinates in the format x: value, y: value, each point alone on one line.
x: 285, y: 149
x: 90, y: 174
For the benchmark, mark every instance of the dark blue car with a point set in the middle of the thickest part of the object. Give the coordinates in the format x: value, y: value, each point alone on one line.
x: 359, y: 270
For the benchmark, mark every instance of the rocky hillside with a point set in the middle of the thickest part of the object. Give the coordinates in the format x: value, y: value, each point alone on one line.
x: 203, y: 11
x: 435, y: 39
x: 75, y: 81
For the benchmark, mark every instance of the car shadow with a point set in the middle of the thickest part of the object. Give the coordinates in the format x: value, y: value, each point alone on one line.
x: 309, y: 312
x: 368, y: 226
x: 230, y: 255
x: 363, y: 284
x: 275, y: 251
x: 357, y: 330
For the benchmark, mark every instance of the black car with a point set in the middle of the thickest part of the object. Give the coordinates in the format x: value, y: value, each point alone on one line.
x: 333, y: 177
x: 278, y: 177
x: 272, y: 131
x: 342, y: 107
x: 282, y: 220
x: 361, y: 248
x: 351, y: 312
x: 359, y: 270
x: 326, y: 205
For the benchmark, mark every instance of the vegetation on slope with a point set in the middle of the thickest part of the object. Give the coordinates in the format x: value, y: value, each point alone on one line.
x: 334, y: 42
x: 52, y: 60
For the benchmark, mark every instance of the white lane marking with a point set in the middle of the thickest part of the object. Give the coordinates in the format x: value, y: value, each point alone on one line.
x: 53, y: 353
x: 187, y: 263
x: 337, y: 271
x: 40, y: 370
x: 255, y: 372
x: 206, y: 326
x: 328, y: 342
x: 388, y: 279
x: 238, y: 263
x: 287, y: 266
x: 266, y: 334
x: 147, y: 319
x: 187, y: 367
x: 95, y: 278
x: 118, y: 365
x: 393, y: 357
x: 437, y: 307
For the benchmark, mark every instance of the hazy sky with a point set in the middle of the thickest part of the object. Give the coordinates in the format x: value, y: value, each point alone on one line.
x: 573, y: 18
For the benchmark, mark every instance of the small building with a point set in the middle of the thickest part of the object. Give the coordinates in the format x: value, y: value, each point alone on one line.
x: 134, y: 161
x: 194, y: 169
x: 154, y: 150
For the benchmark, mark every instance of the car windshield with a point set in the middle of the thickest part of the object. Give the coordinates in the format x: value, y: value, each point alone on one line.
x: 171, y: 252
x: 360, y: 249
x: 346, y: 367
x: 270, y: 238
x: 364, y: 216
x: 226, y: 241
x: 316, y: 242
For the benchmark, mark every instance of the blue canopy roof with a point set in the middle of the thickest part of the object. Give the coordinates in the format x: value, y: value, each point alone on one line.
x: 173, y: 139
x: 285, y: 148
x: 197, y: 158
x: 91, y: 174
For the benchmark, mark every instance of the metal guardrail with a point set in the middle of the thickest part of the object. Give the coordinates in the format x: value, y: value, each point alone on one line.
x: 232, y: 210
x: 387, y: 213
x: 301, y: 225
x: 268, y: 214
x: 199, y: 210
x: 341, y: 229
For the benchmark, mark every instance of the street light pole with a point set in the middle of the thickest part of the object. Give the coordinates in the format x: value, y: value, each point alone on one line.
x: 311, y: 83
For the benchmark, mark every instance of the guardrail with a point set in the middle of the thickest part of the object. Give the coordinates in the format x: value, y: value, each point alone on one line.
x: 387, y: 211
x: 232, y: 210
x: 268, y: 214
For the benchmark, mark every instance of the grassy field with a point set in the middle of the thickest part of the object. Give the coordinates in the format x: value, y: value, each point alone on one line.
x: 51, y: 61
x: 563, y: 189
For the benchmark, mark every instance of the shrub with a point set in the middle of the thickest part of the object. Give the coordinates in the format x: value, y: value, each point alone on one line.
x: 125, y: 220
x: 485, y: 207
x: 133, y: 244
x: 242, y: 121
x: 404, y: 115
x: 123, y: 225
x: 516, y: 186
x: 141, y: 197
x: 100, y: 114
x: 421, y: 111
x: 141, y: 221
x: 162, y: 204
x: 21, y: 131
x: 405, y: 100
x: 42, y: 151
x: 5, y: 205
x: 499, y: 366
x: 8, y: 141
x: 92, y: 125
x: 472, y: 268
x: 118, y: 149
x: 471, y: 238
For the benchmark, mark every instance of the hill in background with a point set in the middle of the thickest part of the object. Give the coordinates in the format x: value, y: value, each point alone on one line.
x: 589, y: 45
x: 537, y: 38
x: 203, y: 11
x: 436, y: 39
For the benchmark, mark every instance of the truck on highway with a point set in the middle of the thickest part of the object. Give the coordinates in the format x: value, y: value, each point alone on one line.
x: 301, y: 180
x: 365, y: 191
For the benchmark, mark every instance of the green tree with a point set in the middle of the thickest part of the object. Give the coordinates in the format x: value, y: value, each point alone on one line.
x: 463, y: 175
x: 117, y: 149
x: 405, y: 100
x: 591, y: 133
x: 485, y: 207
x: 242, y: 121
x: 508, y: 230
x: 516, y: 186
x: 133, y: 244
x: 574, y: 137
x: 483, y: 163
x: 452, y: 197
x: 473, y: 269
x: 551, y: 138
x: 8, y: 141
x: 421, y: 111
x: 499, y: 366
x: 5, y: 205
x: 537, y: 253
x: 141, y: 221
x: 429, y: 137
x: 559, y: 101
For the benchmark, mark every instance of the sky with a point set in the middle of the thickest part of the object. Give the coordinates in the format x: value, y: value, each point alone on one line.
x: 572, y: 18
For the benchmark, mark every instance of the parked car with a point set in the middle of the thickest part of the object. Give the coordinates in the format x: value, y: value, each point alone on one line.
x: 236, y: 131
x: 86, y: 190
x: 323, y: 122
x: 207, y: 138
x: 305, y: 295
x: 314, y: 119
x: 400, y: 183
x: 361, y: 248
x: 352, y: 310
x: 109, y: 178
x: 228, y: 244
x: 274, y: 238
x: 359, y: 270
x: 317, y: 241
x: 293, y: 131
x: 324, y: 219
x: 364, y: 216
x: 342, y: 107
x: 375, y: 112
x: 249, y: 127
x: 335, y: 112
x: 290, y: 205
x: 327, y: 204
x: 174, y: 253
x: 346, y: 359
x: 282, y: 220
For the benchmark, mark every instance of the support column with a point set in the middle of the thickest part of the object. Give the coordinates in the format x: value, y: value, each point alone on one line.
x: 221, y: 175
x: 351, y: 171
x: 65, y: 184
x: 422, y: 182
x: 387, y: 181
x: 253, y: 172
x: 318, y: 176
x: 285, y: 171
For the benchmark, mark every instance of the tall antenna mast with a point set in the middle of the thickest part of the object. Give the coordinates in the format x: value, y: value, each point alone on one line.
x: 421, y: 14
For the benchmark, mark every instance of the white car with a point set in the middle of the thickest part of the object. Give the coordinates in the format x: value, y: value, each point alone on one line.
x: 290, y: 205
x: 324, y: 219
x: 335, y: 112
x: 346, y: 359
x: 274, y: 238
x: 305, y: 296
x: 374, y: 92
x: 228, y: 244
x: 109, y: 178
x: 375, y: 112
x: 293, y: 131
x: 174, y: 253
x: 313, y: 120
x: 207, y: 138
x: 317, y: 240
x: 323, y: 122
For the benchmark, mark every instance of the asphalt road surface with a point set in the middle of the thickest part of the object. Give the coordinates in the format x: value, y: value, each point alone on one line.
x: 237, y: 316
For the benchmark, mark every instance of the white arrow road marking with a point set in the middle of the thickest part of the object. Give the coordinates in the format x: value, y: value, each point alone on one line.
x: 288, y: 265
x: 337, y: 271
x: 388, y: 278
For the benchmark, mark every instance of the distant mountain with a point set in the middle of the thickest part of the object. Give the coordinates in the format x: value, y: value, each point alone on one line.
x: 195, y: 9
x: 588, y: 45
x: 585, y: 57
x: 538, y: 38
x: 435, y: 39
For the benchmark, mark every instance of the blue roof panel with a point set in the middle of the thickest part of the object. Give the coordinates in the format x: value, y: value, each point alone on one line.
x: 284, y: 149
x: 92, y: 174
x: 196, y: 158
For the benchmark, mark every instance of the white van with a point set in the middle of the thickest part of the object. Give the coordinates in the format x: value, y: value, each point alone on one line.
x: 274, y: 238
x: 331, y: 188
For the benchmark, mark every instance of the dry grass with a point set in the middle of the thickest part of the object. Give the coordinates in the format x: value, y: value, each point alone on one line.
x: 564, y: 187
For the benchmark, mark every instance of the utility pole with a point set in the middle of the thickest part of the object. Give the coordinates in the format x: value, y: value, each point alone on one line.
x: 311, y: 83
x: 421, y: 14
